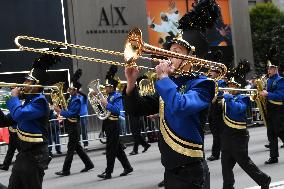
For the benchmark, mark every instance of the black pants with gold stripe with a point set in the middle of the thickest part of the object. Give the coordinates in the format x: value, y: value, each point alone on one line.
x: 74, y: 145
x: 113, y: 146
x: 28, y: 171
x: 235, y: 150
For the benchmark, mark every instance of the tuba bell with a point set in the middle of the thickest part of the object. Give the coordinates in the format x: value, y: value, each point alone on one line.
x: 99, y: 108
x: 57, y: 95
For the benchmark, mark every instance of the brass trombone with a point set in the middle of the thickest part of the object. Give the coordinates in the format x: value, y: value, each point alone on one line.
x: 134, y: 47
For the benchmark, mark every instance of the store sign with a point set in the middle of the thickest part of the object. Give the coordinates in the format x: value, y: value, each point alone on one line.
x: 111, y: 20
x: 115, y: 18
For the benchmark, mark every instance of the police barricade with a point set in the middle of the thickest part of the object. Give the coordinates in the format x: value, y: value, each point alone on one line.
x: 91, y: 130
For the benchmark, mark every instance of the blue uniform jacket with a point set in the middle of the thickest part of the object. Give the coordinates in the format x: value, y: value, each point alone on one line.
x: 115, y: 105
x: 184, y: 99
x: 235, y: 109
x: 32, y: 117
x: 275, y: 88
x: 183, y: 108
x: 73, y: 108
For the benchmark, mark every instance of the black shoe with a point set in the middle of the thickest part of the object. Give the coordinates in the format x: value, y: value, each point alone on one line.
x: 4, y: 167
x: 146, y: 148
x: 266, y: 186
x: 212, y: 158
x: 105, y: 175
x: 87, y: 168
x: 63, y: 173
x: 282, y: 146
x: 266, y: 146
x: 271, y: 160
x: 126, y: 172
x: 133, y: 153
x: 161, y: 184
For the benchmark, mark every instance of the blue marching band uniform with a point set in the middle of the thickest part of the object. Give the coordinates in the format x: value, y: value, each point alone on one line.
x: 72, y: 115
x: 275, y: 112
x: 235, y: 138
x: 32, y: 120
x: 114, y: 148
x: 183, y: 103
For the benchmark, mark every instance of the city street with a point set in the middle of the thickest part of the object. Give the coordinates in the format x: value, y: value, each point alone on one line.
x: 148, y: 171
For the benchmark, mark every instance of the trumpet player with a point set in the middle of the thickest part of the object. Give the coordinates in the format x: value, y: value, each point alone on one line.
x: 275, y: 109
x: 183, y: 111
x: 235, y: 138
x: 114, y: 148
x: 32, y: 118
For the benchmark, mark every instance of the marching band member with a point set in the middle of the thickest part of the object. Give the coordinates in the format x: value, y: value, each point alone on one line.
x: 184, y: 102
x: 73, y: 127
x: 32, y: 119
x: 114, y: 148
x: 275, y: 110
x: 235, y: 138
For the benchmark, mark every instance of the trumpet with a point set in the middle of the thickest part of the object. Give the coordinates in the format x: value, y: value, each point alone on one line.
x: 236, y: 89
x: 56, y: 92
x: 4, y: 84
x: 134, y: 47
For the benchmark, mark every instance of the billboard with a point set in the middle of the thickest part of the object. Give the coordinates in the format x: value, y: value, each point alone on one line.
x: 163, y: 16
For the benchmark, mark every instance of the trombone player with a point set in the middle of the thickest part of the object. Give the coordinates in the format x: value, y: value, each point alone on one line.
x: 275, y: 110
x: 183, y: 105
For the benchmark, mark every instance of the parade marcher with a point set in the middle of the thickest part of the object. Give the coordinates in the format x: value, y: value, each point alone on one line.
x: 114, y: 148
x: 32, y: 119
x: 215, y: 118
x: 12, y: 147
x: 72, y: 115
x: 183, y: 110
x: 275, y: 110
x: 235, y: 138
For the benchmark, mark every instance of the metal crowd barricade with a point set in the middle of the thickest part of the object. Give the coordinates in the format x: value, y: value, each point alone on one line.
x: 91, y: 129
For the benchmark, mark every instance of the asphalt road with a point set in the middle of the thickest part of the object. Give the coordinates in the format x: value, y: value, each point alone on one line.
x: 148, y: 171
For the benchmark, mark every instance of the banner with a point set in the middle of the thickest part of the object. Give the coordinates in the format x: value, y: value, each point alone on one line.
x: 163, y: 16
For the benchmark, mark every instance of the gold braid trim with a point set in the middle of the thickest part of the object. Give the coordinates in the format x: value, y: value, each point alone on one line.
x: 276, y: 102
x: 172, y: 144
x: 229, y: 122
